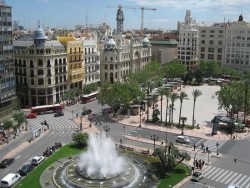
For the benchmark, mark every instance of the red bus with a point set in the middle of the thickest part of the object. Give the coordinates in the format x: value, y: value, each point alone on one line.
x: 45, y: 109
x: 88, y: 98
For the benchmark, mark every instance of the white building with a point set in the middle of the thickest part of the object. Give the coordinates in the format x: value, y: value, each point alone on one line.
x: 121, y: 57
x: 188, y: 50
x: 237, y: 52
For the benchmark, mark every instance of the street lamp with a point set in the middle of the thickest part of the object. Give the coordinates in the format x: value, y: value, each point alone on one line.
x: 140, y: 117
x: 106, y: 129
x: 154, y: 138
x: 217, y: 144
x: 183, y: 119
x: 81, y: 122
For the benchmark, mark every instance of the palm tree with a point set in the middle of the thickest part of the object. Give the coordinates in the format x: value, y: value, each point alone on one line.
x: 7, y: 125
x: 19, y: 117
x: 167, y: 94
x: 182, y: 96
x: 161, y: 92
x: 173, y: 98
x: 196, y: 93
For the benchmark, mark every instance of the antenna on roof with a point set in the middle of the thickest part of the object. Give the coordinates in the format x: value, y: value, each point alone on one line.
x: 2, y: 1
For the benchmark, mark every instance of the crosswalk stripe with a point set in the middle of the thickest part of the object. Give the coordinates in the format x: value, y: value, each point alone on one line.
x: 207, y: 171
x: 248, y: 185
x: 204, y: 170
x: 231, y: 177
x: 212, y: 173
x: 218, y: 173
x: 226, y: 177
x: 245, y: 182
x: 236, y: 178
x: 222, y: 175
x: 241, y: 180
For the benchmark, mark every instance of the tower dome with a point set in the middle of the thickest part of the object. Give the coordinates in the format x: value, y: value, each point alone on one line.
x: 110, y: 44
x: 240, y: 18
x: 39, y: 37
x: 145, y: 42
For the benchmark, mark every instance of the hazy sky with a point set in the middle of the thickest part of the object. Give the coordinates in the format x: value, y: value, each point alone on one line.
x: 68, y: 13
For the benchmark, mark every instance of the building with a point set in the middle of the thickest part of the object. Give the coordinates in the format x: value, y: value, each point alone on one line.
x: 212, y: 42
x: 7, y: 75
x: 188, y: 51
x: 119, y: 20
x: 237, y: 52
x: 92, y: 60
x: 41, y: 70
x: 75, y: 59
x: 164, y: 51
x: 121, y: 57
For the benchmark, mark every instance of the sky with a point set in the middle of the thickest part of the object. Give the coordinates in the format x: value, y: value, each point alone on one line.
x: 68, y: 13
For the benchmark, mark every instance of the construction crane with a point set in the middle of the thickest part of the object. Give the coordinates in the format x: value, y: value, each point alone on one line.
x: 135, y: 7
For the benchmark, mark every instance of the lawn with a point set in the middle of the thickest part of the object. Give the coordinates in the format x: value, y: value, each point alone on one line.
x: 181, y: 172
x: 34, y: 176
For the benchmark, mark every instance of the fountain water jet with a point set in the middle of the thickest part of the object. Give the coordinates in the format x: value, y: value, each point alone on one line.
x: 100, y: 161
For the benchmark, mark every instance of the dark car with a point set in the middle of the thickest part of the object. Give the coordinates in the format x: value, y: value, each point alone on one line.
x: 58, y: 114
x: 31, y: 116
x: 86, y: 112
x: 26, y: 169
x: 6, y: 162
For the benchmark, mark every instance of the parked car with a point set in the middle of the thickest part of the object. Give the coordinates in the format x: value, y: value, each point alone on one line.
x: 31, y: 116
x: 183, y: 139
x: 58, y: 114
x: 9, y: 180
x: 26, y: 169
x: 6, y: 162
x: 37, y: 160
x: 197, y: 176
x: 86, y: 112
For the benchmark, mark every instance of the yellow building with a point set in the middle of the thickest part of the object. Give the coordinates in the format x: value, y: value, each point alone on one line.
x: 75, y: 59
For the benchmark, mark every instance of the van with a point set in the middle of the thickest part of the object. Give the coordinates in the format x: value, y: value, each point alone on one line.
x: 37, y: 160
x: 10, y: 180
x: 182, y: 139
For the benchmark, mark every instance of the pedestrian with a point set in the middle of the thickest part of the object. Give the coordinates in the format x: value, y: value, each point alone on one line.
x: 194, y: 147
x: 202, y: 145
x: 206, y: 149
x: 76, y: 115
x: 203, y: 162
x: 121, y: 141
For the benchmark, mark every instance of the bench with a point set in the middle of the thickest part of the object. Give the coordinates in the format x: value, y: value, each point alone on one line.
x: 145, y: 152
x: 130, y: 149
x: 122, y: 146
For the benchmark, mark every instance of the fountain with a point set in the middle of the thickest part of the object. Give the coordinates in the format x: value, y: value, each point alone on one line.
x: 101, y: 166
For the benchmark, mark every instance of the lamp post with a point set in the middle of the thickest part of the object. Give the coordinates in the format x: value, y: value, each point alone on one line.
x: 217, y: 144
x: 183, y: 119
x: 246, y: 103
x: 81, y: 122
x: 166, y: 144
x: 154, y: 138
x: 140, y: 117
x: 194, y: 158
x: 106, y: 129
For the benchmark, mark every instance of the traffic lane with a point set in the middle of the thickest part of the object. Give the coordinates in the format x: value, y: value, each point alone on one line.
x: 36, y: 147
x: 193, y: 184
x: 147, y: 133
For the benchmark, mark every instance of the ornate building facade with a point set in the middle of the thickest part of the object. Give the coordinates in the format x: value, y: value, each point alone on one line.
x: 121, y: 57
x: 41, y: 70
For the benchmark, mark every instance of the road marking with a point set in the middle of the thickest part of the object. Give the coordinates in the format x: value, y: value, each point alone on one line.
x: 226, y: 177
x: 245, y: 182
x: 208, y: 169
x: 52, y: 132
x: 235, y: 179
x: 6, y: 171
x: 212, y: 173
x: 18, y: 157
x: 241, y: 180
x: 217, y: 174
x: 222, y: 175
x: 26, y: 156
x: 231, y: 177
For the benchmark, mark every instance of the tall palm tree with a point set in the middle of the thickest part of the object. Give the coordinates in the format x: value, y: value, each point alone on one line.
x: 167, y: 94
x: 173, y: 98
x: 161, y: 93
x: 183, y: 96
x: 196, y: 93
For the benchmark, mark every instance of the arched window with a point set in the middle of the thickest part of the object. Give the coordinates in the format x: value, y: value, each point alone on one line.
x: 56, y: 62
x: 48, y: 63
x: 60, y: 61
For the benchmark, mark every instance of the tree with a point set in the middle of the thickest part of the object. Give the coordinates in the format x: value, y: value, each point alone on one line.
x: 87, y: 89
x: 161, y: 92
x: 182, y: 96
x: 209, y: 68
x: 80, y: 139
x: 167, y: 94
x: 196, y: 93
x: 7, y: 125
x: 173, y: 98
x: 174, y: 69
x: 170, y: 159
x: 20, y: 118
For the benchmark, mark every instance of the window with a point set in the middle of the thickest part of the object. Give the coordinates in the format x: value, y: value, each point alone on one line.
x: 219, y: 50
x: 202, y: 49
x: 106, y: 67
x: 210, y: 49
x: 203, y: 42
x: 219, y: 57
x: 211, y: 42
x: 40, y: 81
x: 111, y: 67
x: 32, y: 81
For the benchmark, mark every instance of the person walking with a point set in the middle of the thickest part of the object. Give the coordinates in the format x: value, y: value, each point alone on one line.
x: 194, y: 147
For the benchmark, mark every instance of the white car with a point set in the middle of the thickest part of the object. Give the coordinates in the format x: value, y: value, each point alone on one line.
x: 197, y: 176
x: 37, y: 160
x: 182, y: 139
x: 10, y: 180
x: 233, y: 186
